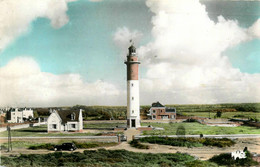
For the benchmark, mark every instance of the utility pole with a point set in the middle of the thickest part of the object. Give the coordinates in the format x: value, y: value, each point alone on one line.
x: 9, y: 138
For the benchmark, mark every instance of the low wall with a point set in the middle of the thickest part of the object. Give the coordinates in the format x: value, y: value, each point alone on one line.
x: 20, y: 126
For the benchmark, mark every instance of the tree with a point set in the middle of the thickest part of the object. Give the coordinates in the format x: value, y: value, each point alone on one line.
x: 219, y: 113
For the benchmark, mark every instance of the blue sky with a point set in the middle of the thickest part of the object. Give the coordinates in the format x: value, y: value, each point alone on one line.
x: 85, y: 45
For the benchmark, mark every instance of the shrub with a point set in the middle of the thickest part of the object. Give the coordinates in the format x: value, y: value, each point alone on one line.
x: 47, y: 146
x: 189, y: 142
x: 80, y: 145
x: 136, y: 143
x: 198, y: 163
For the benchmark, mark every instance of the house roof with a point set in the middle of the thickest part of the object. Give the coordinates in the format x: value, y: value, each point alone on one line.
x: 66, y: 115
x: 157, y: 104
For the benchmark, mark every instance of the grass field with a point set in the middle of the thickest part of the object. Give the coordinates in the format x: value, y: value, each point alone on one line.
x: 39, y: 131
x: 103, y: 125
x: 228, y: 115
x: 197, y: 128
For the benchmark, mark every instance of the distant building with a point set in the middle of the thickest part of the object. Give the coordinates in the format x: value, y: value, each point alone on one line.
x: 18, y: 115
x: 159, y: 111
x: 65, y: 120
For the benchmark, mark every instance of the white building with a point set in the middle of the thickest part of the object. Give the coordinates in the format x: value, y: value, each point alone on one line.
x: 65, y: 120
x: 17, y: 115
x: 133, y: 107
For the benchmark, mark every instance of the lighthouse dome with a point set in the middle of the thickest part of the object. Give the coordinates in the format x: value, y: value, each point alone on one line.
x: 132, y: 50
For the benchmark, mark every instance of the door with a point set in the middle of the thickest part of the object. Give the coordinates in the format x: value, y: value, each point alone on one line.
x: 133, y: 122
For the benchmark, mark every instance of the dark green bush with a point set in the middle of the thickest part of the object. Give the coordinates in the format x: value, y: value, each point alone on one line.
x: 136, y: 143
x: 80, y: 145
x: 189, y: 142
x: 198, y: 163
x: 47, y: 146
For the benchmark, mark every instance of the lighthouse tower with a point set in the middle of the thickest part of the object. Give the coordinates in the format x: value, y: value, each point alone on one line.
x: 133, y: 108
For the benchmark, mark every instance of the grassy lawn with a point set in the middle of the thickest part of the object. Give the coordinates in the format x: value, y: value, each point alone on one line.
x: 39, y: 131
x: 197, y: 128
x: 103, y: 125
x: 225, y: 114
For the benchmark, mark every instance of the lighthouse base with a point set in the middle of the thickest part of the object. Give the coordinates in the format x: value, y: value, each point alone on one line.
x: 133, y: 123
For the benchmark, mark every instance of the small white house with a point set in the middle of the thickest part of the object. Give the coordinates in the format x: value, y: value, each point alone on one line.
x: 27, y: 113
x: 65, y: 120
x: 17, y: 115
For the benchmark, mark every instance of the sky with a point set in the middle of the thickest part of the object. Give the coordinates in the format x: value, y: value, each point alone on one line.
x: 68, y: 52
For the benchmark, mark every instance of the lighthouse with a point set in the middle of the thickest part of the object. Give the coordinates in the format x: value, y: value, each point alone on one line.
x: 133, y: 107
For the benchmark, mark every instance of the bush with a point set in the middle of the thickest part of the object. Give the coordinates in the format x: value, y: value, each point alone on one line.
x: 80, y: 145
x: 189, y: 142
x: 226, y: 159
x: 198, y: 163
x: 191, y: 120
x: 47, y: 146
x: 136, y: 143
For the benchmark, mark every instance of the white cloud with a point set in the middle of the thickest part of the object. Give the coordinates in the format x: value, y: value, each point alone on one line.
x: 186, y: 64
x: 122, y: 38
x: 23, y: 84
x: 16, y: 16
x: 255, y: 29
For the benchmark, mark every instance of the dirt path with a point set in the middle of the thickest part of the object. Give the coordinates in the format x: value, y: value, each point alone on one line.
x: 203, y: 153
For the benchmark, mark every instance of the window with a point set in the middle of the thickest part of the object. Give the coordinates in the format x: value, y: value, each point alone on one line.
x: 132, y: 98
x: 73, y: 115
x: 132, y: 59
x: 161, y: 110
x: 154, y: 116
x: 73, y: 126
x: 133, y: 111
x: 154, y: 111
x: 132, y: 84
x: 54, y: 126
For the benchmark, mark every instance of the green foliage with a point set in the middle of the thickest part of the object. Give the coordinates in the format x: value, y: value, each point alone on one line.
x: 136, y: 143
x: 232, y: 107
x: 198, y: 163
x: 225, y: 159
x: 80, y: 145
x: 47, y: 146
x: 189, y: 142
x: 102, y: 112
x: 219, y: 113
x: 99, y: 157
x: 119, y: 112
